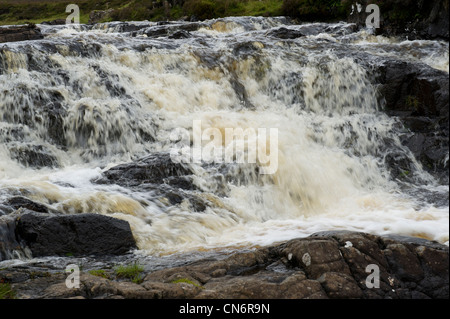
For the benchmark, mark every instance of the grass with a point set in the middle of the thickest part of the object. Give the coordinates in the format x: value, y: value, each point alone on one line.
x: 99, y: 273
x: 6, y: 291
x: 133, y: 272
x: 34, y: 11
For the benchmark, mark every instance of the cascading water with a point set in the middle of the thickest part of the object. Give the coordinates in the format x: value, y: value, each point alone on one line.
x: 85, y: 99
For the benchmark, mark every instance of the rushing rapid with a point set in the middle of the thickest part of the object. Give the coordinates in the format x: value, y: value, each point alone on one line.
x: 88, y: 98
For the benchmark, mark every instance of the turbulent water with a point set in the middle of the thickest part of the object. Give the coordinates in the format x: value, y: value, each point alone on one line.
x: 87, y: 98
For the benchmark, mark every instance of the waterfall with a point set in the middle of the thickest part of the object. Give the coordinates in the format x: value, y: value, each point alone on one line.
x: 84, y: 100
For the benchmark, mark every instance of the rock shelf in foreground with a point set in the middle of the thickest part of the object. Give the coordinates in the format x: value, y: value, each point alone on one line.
x: 324, y: 265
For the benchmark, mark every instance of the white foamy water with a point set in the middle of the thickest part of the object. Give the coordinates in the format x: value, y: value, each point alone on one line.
x: 121, y: 97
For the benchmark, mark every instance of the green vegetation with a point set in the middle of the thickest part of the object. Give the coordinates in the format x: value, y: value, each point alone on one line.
x: 308, y: 10
x: 100, y: 273
x: 412, y: 102
x: 6, y: 291
x: 33, y: 11
x: 133, y: 272
x: 187, y: 281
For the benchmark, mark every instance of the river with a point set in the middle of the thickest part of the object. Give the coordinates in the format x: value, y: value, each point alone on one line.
x: 88, y: 98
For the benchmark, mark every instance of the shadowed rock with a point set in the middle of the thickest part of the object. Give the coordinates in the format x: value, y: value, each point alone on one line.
x: 20, y: 33
x: 83, y: 234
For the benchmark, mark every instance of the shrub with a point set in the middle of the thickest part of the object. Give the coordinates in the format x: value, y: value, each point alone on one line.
x: 310, y: 10
x: 202, y: 9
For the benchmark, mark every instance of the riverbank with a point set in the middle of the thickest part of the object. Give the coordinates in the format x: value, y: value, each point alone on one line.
x: 326, y: 265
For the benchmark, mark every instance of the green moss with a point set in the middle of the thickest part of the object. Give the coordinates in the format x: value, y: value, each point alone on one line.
x: 99, y: 273
x: 186, y: 281
x: 6, y: 291
x: 133, y: 272
x: 412, y: 102
x: 405, y: 173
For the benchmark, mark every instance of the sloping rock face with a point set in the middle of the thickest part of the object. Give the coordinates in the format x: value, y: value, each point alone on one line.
x: 407, y: 18
x: 336, y: 265
x: 418, y: 95
x: 20, y: 33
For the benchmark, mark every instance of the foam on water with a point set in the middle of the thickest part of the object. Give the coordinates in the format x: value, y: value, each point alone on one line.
x: 120, y: 104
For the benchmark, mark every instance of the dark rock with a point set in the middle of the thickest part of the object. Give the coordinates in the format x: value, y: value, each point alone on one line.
x: 20, y: 33
x: 17, y: 202
x: 285, y: 33
x: 181, y: 34
x: 55, y: 22
x: 175, y: 30
x: 403, y: 263
x: 414, y: 89
x: 84, y: 234
x: 33, y: 156
x: 408, y: 18
x: 154, y: 169
x: 10, y: 246
x: 418, y: 95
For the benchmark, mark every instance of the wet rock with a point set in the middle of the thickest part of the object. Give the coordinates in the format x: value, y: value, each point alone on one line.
x: 20, y: 33
x: 182, y: 34
x: 17, y: 202
x: 175, y: 30
x: 285, y: 33
x: 33, y: 156
x: 10, y: 245
x: 408, y: 19
x: 154, y: 169
x: 55, y: 22
x: 403, y: 262
x: 418, y: 95
x: 83, y: 234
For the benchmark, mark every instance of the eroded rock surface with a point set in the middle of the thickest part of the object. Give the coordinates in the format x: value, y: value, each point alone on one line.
x: 325, y: 265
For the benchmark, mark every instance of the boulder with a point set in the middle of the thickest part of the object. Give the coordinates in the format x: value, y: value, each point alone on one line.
x: 83, y: 234
x: 154, y: 168
x: 285, y: 33
x: 20, y: 33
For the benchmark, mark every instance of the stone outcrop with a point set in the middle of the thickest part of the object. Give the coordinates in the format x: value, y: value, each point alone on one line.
x: 20, y: 33
x: 336, y: 265
x: 48, y: 234
x: 419, y: 97
x: 407, y: 18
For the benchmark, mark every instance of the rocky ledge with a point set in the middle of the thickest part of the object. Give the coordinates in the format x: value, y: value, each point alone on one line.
x: 337, y: 265
x: 20, y: 33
